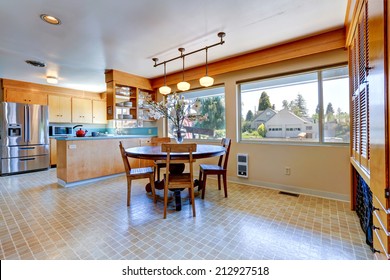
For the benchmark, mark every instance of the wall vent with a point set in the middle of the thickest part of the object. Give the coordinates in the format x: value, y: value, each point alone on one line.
x: 288, y: 193
x: 242, y: 165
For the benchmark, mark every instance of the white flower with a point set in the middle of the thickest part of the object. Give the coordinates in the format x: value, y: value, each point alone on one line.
x: 197, y: 106
x: 176, y: 109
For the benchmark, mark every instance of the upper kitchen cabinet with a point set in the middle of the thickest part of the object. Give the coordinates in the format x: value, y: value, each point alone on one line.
x: 60, y: 109
x: 81, y: 110
x: 15, y: 91
x: 143, y: 108
x: 65, y: 105
x: 99, y: 114
x: 123, y: 95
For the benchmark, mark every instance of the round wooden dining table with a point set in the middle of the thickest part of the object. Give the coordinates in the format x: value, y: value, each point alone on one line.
x: 155, y: 153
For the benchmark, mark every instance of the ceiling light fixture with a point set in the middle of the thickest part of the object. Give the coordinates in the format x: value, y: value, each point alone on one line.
x: 50, y: 19
x: 183, y: 85
x: 205, y: 81
x: 164, y: 89
x: 52, y: 80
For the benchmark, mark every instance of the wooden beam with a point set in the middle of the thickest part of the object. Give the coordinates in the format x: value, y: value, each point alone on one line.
x: 328, y: 41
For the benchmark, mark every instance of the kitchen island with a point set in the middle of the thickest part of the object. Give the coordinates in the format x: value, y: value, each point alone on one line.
x: 85, y: 159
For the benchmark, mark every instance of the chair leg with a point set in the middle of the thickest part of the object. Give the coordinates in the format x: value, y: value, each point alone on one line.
x: 225, y: 184
x: 219, y: 181
x: 128, y: 191
x: 165, y: 201
x: 204, y: 185
x: 151, y: 179
x: 158, y: 173
x: 192, y: 196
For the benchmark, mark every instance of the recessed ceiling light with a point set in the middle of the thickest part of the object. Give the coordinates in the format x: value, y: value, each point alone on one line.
x: 50, y: 19
x: 35, y: 63
x: 52, y: 80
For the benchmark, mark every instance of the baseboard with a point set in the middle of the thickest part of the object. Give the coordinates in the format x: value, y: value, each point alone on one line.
x: 291, y: 189
x: 83, y: 182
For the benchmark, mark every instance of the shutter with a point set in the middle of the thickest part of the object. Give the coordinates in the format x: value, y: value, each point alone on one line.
x: 359, y: 54
x: 364, y: 131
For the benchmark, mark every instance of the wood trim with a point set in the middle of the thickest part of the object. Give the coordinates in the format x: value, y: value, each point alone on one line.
x: 52, y: 90
x: 352, y: 18
x: 387, y: 99
x: 328, y: 41
x: 361, y: 171
x: 127, y: 79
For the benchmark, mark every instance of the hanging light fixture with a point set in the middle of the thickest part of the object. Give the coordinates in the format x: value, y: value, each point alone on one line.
x: 164, y: 89
x: 183, y: 85
x: 206, y: 81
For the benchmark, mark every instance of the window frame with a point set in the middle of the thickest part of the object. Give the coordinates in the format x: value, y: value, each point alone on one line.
x: 321, y: 140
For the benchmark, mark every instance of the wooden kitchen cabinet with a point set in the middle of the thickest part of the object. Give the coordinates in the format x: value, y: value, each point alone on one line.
x: 60, y: 109
x: 123, y: 91
x: 53, y: 152
x: 84, y: 158
x: 24, y: 96
x: 99, y: 111
x: 81, y: 110
x: 367, y: 42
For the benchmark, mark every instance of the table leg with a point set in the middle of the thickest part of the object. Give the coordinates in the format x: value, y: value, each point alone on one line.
x: 177, y: 195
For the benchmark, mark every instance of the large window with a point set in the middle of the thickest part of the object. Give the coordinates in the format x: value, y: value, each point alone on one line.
x: 305, y: 107
x: 213, y: 106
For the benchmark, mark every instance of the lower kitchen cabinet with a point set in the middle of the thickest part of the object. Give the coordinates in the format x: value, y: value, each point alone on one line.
x: 89, y: 158
x: 53, y: 152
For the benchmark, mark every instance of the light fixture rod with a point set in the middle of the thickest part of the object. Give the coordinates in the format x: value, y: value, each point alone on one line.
x: 165, y: 74
x: 220, y: 35
x: 206, y: 61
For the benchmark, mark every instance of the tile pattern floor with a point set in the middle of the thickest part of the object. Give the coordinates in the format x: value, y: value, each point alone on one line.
x: 41, y: 220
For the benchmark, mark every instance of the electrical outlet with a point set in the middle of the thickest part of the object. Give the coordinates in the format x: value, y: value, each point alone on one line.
x: 149, y: 131
x: 72, y: 146
x: 287, y: 170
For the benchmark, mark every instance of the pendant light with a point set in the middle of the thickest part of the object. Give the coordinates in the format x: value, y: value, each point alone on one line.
x: 165, y: 89
x: 183, y: 86
x: 206, y: 81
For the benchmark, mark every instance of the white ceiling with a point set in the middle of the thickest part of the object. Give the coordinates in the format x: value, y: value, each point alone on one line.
x: 126, y: 34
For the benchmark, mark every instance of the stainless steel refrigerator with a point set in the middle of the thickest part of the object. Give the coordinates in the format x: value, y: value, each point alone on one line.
x: 24, y: 134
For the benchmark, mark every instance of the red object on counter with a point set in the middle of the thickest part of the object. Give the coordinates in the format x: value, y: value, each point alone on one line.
x: 81, y: 133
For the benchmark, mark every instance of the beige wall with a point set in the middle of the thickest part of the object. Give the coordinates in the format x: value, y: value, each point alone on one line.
x: 317, y: 170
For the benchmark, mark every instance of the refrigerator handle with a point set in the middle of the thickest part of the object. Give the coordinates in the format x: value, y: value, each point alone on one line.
x: 27, y: 124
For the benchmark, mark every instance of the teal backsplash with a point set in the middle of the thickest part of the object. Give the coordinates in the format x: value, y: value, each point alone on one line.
x: 135, y: 131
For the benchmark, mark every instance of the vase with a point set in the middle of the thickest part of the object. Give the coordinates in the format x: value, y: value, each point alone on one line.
x: 179, y: 135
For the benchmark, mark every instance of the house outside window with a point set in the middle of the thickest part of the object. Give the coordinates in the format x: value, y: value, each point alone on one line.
x: 213, y: 105
x: 309, y: 107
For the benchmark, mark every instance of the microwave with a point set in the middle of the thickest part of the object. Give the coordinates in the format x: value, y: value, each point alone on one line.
x: 60, y: 130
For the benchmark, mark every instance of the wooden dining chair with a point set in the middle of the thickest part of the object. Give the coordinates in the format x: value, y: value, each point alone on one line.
x: 219, y: 170
x: 136, y: 173
x: 158, y: 164
x: 182, y: 180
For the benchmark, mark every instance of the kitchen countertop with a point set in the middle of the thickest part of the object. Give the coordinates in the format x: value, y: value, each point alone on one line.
x: 73, y: 138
